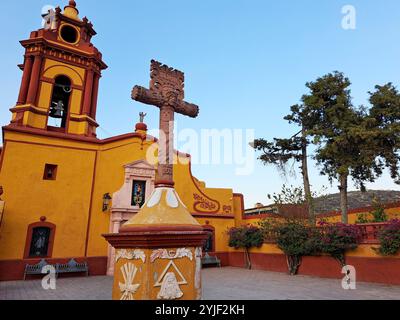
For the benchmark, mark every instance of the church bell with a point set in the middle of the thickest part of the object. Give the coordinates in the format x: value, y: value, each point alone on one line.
x: 57, y: 110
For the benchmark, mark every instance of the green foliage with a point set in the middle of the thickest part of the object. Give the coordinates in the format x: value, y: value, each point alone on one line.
x: 345, y: 143
x: 390, y: 239
x: 362, y: 219
x: 295, y: 237
x: 245, y: 237
x: 385, y: 115
x: 280, y: 151
x: 289, y: 195
x: 378, y: 213
x: 338, y: 238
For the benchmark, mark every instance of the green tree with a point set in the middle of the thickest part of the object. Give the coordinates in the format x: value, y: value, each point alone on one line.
x: 344, y: 136
x: 280, y: 152
x: 385, y: 116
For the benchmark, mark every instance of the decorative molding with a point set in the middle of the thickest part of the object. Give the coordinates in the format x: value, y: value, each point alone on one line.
x: 204, y: 204
x: 171, y: 255
x: 130, y: 255
x: 128, y: 289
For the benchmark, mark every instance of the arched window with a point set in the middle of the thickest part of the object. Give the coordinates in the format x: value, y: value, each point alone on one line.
x: 60, y: 102
x: 39, y: 241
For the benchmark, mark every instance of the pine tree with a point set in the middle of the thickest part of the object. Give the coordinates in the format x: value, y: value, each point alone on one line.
x: 346, y: 141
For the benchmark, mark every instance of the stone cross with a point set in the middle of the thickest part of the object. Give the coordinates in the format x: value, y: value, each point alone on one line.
x: 167, y: 93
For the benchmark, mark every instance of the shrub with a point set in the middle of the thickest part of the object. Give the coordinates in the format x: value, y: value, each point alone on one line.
x: 390, y: 239
x: 295, y: 237
x: 338, y: 238
x: 246, y: 237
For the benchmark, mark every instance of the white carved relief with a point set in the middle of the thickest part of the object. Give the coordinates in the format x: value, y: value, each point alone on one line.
x: 128, y: 289
x: 130, y: 255
x: 171, y: 255
x: 170, y: 286
x: 170, y: 289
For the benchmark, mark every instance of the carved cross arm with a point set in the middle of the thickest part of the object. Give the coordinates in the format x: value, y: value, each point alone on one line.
x: 187, y: 109
x: 147, y: 96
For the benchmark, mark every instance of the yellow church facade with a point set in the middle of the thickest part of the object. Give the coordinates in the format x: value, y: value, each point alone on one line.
x: 63, y: 187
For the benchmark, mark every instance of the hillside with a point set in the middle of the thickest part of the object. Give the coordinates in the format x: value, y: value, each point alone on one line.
x: 357, y: 199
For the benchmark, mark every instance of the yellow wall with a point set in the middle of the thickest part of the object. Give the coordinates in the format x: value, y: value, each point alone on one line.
x: 86, y: 171
x: 65, y: 202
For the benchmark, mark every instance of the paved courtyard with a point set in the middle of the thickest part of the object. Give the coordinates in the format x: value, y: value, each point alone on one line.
x: 219, y: 284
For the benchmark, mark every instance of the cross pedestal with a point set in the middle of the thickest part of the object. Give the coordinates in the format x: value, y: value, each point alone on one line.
x: 159, y: 251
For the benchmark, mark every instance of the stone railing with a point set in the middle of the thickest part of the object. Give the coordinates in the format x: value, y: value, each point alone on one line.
x: 370, y: 232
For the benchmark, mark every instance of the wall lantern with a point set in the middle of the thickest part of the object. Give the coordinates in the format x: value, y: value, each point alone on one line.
x: 106, y: 202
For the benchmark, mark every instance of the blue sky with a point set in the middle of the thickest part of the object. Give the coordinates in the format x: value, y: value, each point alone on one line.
x: 246, y: 63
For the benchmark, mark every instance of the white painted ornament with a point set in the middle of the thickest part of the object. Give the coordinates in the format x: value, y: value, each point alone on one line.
x: 171, y: 255
x: 130, y: 255
x: 170, y: 289
x: 128, y: 289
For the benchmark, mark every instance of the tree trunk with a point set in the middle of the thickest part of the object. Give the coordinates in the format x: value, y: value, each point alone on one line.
x: 293, y: 263
x: 343, y: 197
x: 306, y: 179
x: 248, y: 261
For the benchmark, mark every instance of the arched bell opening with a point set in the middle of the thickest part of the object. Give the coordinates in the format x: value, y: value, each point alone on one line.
x: 60, y: 102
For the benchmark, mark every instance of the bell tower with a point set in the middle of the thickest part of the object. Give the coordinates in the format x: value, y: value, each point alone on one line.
x: 61, y: 74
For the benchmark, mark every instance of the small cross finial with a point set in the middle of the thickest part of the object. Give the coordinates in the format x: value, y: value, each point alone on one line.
x: 142, y: 115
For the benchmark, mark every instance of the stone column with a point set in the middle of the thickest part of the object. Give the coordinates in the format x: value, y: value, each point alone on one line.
x: 23, y: 92
x: 87, y: 102
x: 95, y: 94
x: 35, y: 78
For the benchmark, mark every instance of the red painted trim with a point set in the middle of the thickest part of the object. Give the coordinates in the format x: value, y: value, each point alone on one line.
x: 95, y: 94
x: 87, y: 96
x: 91, y: 205
x: 34, y: 81
x: 29, y: 109
x: 26, y: 76
x: 32, y: 226
x: 158, y: 237
x: 212, y: 215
